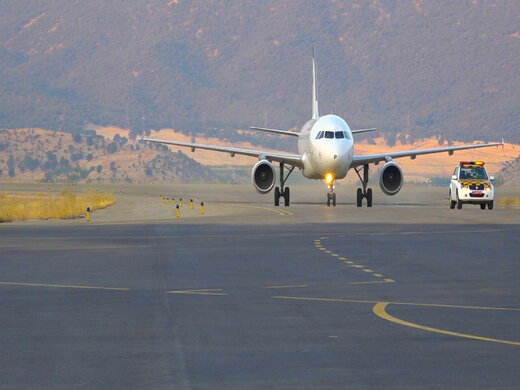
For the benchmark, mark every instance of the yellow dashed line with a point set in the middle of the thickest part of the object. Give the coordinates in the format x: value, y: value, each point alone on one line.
x: 318, y: 245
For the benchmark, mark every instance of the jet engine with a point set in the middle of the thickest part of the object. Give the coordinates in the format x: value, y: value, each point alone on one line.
x: 263, y: 176
x: 390, y: 178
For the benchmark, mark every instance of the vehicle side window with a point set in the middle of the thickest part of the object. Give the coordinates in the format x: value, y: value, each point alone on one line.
x: 340, y: 134
x: 329, y: 134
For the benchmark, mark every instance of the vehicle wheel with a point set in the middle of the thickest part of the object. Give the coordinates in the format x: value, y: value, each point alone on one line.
x: 287, y: 196
x: 482, y: 206
x: 276, y: 196
x: 452, y: 202
x: 490, y: 205
x: 328, y: 200
x: 359, y: 197
x: 369, y: 197
x: 334, y: 199
x: 459, y: 202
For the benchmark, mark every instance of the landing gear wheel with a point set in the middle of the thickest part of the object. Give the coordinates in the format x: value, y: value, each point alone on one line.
x: 369, y: 197
x: 482, y: 206
x: 359, y: 197
x: 334, y: 199
x: 490, y: 205
x: 286, y: 196
x: 328, y: 200
x: 277, y: 196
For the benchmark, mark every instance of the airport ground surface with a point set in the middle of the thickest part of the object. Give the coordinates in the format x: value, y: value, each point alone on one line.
x: 407, y: 294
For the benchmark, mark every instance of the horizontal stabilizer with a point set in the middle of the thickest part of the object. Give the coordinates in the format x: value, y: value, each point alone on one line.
x: 283, y: 132
x: 358, y: 131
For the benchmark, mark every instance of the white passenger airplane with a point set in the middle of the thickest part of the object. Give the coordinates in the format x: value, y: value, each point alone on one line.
x: 325, y: 152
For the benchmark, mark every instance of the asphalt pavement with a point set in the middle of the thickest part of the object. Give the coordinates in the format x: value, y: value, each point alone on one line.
x: 249, y: 297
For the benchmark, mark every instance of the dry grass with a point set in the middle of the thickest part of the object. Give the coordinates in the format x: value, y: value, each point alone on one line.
x: 24, y: 206
x: 510, y: 201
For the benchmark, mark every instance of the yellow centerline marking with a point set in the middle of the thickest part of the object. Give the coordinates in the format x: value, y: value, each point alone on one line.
x: 379, y: 309
x: 367, y: 270
x: 207, y: 291
x: 63, y: 286
x: 345, y: 300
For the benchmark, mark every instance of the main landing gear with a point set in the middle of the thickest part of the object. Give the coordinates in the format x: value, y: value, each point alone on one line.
x: 283, y: 191
x: 363, y: 192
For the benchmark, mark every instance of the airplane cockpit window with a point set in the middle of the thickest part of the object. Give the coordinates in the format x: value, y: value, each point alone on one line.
x: 340, y: 134
x: 320, y: 135
x: 329, y: 134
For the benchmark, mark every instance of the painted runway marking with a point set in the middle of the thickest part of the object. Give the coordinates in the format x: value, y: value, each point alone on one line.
x: 289, y: 286
x: 63, y: 286
x: 279, y: 211
x: 373, y: 302
x: 206, y: 291
x: 380, y: 310
x: 319, y: 246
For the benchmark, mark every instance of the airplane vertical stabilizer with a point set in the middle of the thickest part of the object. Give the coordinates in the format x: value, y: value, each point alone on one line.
x: 315, y: 112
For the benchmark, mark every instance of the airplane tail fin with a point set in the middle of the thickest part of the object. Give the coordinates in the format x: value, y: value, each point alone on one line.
x: 315, y: 113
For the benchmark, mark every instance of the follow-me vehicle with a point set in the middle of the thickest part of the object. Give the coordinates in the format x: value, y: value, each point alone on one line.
x: 471, y: 184
x: 325, y: 152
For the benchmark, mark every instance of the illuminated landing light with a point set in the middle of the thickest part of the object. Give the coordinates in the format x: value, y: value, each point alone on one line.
x: 329, y: 178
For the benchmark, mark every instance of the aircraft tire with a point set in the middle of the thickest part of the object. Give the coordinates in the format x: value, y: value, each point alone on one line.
x: 334, y: 199
x: 286, y: 196
x: 369, y: 197
x: 359, y: 197
x: 276, y: 196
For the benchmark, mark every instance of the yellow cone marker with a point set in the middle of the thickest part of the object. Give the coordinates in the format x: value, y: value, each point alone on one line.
x: 202, y: 207
x: 191, y: 203
x: 177, y: 211
x: 88, y: 214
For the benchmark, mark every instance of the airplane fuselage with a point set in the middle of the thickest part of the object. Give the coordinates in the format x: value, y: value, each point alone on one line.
x: 327, y: 147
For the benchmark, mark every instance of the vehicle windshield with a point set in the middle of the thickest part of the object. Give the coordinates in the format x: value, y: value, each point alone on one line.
x: 473, y: 173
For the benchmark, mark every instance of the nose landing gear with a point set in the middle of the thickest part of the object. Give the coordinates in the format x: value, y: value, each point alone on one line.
x: 364, y: 192
x: 331, y: 196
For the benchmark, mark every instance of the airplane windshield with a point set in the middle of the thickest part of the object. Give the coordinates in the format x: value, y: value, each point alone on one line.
x: 473, y: 173
x: 332, y: 134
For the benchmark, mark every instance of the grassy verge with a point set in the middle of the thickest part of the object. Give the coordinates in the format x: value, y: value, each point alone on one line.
x: 22, y: 206
x: 513, y: 202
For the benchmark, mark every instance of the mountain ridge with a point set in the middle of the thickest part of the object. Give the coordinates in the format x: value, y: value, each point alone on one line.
x: 418, y: 67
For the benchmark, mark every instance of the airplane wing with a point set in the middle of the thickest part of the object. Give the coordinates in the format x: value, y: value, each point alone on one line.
x: 376, y: 158
x: 287, y: 158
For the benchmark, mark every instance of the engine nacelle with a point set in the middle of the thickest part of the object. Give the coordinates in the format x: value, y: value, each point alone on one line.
x: 263, y: 176
x: 390, y: 178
